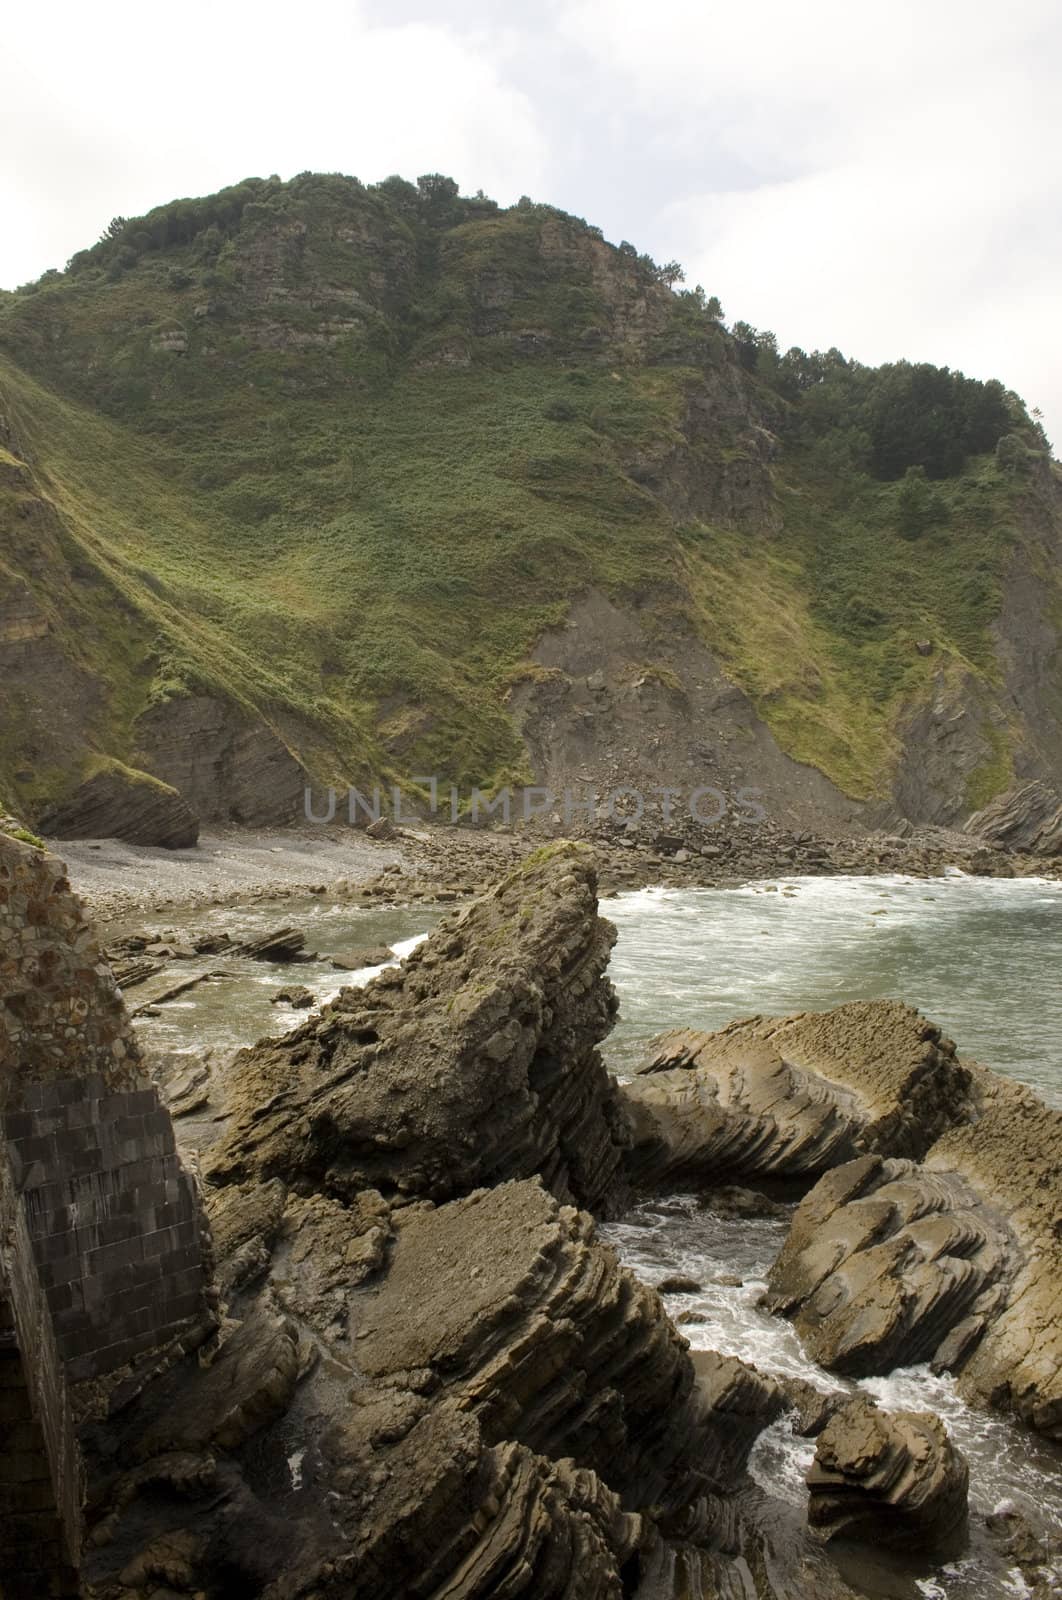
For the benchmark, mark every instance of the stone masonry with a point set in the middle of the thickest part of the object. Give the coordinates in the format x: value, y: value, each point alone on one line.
x: 104, y: 1255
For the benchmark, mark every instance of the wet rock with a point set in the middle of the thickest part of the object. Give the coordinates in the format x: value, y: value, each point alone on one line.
x: 888, y: 1477
x: 884, y: 1261
x: 473, y: 1062
x: 295, y: 995
x: 793, y: 1096
x: 957, y: 1261
x: 130, y: 972
x: 812, y: 1407
x: 678, y: 1283
x: 375, y: 955
x: 1032, y: 1550
x: 732, y: 1200
x: 283, y: 944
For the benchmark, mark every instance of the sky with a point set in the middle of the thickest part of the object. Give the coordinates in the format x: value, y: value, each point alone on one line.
x: 883, y: 178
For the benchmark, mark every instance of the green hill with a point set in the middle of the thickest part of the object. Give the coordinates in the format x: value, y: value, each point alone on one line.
x: 296, y: 478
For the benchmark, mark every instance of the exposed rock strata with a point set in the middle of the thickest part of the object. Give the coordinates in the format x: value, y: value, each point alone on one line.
x: 118, y: 803
x: 792, y: 1097
x: 887, y: 1477
x: 226, y: 763
x: 472, y: 1063
x: 956, y: 1261
x: 1028, y: 819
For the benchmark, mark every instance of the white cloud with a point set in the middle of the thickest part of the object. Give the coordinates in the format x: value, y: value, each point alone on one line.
x: 879, y: 176
x: 897, y: 193
x: 119, y: 107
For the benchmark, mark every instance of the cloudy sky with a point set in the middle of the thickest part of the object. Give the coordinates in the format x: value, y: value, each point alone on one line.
x: 879, y: 176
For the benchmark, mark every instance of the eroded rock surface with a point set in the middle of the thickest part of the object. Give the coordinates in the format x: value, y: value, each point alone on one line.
x: 955, y: 1261
x: 889, y: 1477
x: 121, y: 803
x: 791, y: 1097
x: 473, y: 1062
x: 1028, y: 819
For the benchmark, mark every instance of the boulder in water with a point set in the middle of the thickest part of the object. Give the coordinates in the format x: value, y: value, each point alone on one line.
x: 888, y: 1477
x: 957, y: 1260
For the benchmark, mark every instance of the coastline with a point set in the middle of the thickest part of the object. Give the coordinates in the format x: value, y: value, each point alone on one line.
x: 434, y: 862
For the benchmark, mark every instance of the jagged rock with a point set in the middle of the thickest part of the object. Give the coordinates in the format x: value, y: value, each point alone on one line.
x: 249, y: 1384
x: 376, y: 955
x: 473, y: 1062
x: 742, y: 1401
x: 484, y: 1520
x: 1028, y: 819
x: 793, y: 1096
x: 295, y: 995
x: 546, y: 1337
x: 283, y: 944
x: 121, y: 803
x: 127, y: 974
x: 678, y: 1283
x: 812, y: 1407
x: 1033, y: 1550
x: 884, y: 1261
x: 957, y: 1261
x: 887, y: 1477
x: 186, y: 1085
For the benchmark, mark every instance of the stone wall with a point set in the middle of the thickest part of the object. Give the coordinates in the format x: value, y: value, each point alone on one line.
x: 40, y: 1465
x: 113, y: 1216
x: 104, y: 1254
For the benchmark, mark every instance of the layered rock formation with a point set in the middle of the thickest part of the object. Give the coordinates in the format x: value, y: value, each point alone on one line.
x: 891, y: 1477
x: 121, y: 803
x: 1028, y: 819
x: 470, y: 1398
x: 954, y: 1261
x: 474, y: 1062
x: 431, y: 1378
x: 792, y: 1097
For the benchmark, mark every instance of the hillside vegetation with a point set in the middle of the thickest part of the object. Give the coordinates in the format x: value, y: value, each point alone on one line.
x: 334, y: 457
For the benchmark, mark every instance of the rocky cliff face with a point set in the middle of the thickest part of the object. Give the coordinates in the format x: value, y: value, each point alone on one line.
x: 641, y: 550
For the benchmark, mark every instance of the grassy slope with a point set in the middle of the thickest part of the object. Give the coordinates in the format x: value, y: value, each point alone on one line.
x: 340, y: 534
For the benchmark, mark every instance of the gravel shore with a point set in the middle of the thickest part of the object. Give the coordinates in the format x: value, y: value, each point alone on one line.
x: 228, y: 863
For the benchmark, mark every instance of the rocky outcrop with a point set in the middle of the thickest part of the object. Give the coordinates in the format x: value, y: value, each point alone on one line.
x: 885, y: 1262
x: 120, y: 803
x: 888, y: 1477
x: 226, y: 764
x: 473, y: 1062
x: 956, y: 1261
x: 501, y: 1408
x: 791, y: 1097
x: 1028, y: 819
